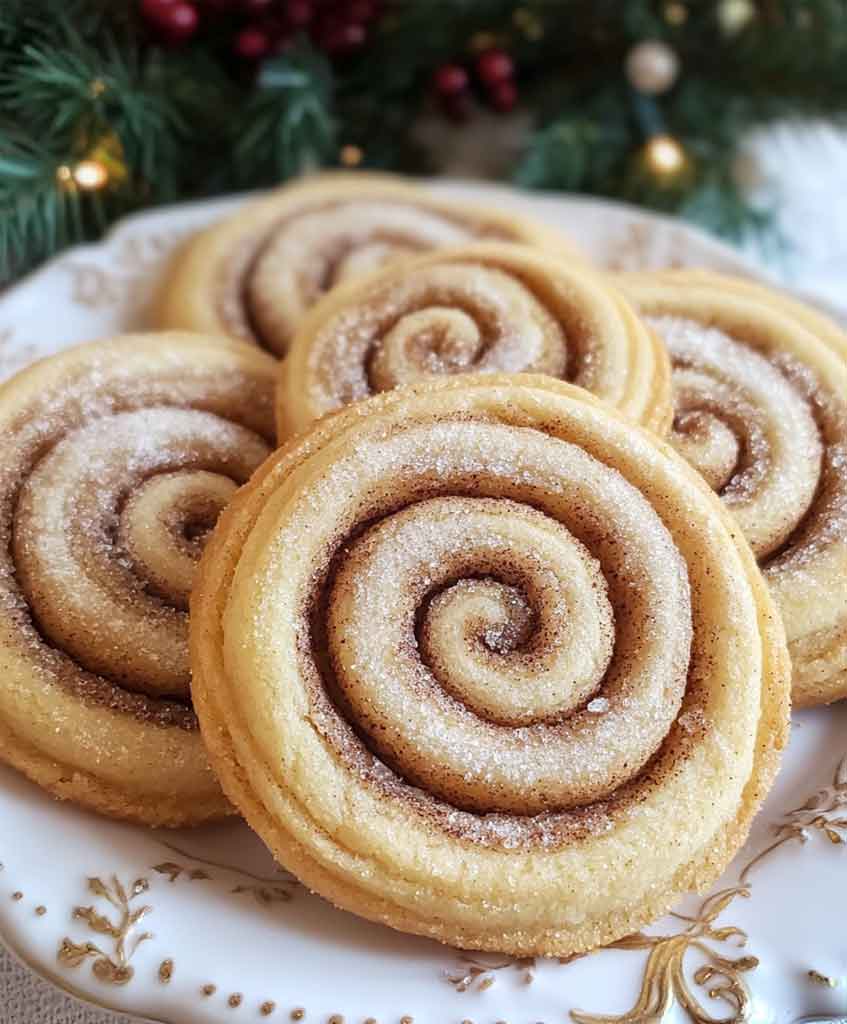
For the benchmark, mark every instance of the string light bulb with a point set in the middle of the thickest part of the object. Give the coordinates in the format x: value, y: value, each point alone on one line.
x: 90, y: 175
x: 665, y: 156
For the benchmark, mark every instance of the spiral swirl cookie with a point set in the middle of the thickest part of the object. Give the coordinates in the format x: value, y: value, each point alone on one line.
x: 760, y: 394
x: 255, y: 275
x: 482, y: 308
x: 481, y: 661
x: 117, y: 458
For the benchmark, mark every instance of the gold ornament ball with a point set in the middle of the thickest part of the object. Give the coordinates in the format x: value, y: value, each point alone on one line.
x: 652, y: 67
x: 733, y: 15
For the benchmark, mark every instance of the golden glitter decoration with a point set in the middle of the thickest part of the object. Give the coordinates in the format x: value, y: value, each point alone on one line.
x: 825, y: 813
x: 336, y: 1018
x: 41, y: 911
x: 407, y: 1020
x: 209, y: 990
x: 166, y: 971
x: 664, y: 155
x: 298, y: 1014
x: 64, y: 175
x: 17, y: 896
x: 676, y: 14
x: 267, y: 1008
x: 97, y: 88
x: 351, y: 156
x: 235, y: 1000
x: 112, y: 968
x: 665, y: 982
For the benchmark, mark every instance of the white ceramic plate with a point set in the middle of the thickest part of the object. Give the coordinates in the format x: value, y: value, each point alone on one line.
x: 228, y: 937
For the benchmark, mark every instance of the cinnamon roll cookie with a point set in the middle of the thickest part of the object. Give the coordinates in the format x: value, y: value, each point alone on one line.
x: 481, y: 661
x: 481, y: 308
x: 760, y: 394
x: 117, y: 458
x: 256, y: 274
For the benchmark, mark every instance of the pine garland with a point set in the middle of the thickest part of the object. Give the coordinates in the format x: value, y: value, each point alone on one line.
x: 82, y: 85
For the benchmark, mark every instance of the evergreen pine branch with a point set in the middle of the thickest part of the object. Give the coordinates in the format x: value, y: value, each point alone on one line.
x: 288, y: 122
x: 80, y: 78
x: 36, y: 217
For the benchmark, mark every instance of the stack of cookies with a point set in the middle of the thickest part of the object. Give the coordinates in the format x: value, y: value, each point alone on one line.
x: 479, y: 581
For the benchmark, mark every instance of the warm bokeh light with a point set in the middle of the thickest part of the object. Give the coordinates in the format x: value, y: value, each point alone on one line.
x: 90, y: 174
x: 664, y: 154
x: 351, y: 156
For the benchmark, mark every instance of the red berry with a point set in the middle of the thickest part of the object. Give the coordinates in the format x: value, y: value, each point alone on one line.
x: 504, y: 96
x: 494, y: 66
x: 450, y: 79
x: 175, y: 21
x: 182, y: 22
x: 251, y: 43
x: 299, y: 12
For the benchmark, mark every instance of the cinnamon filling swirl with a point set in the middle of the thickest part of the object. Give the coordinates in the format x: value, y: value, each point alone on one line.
x: 759, y: 409
x: 120, y: 457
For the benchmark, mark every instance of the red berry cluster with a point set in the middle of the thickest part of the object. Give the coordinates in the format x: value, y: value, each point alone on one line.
x: 264, y: 27
x: 494, y: 71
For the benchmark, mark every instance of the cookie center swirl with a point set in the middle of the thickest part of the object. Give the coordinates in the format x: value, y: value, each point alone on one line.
x: 515, y: 621
x: 108, y: 529
x: 443, y: 319
x: 745, y: 427
x: 507, y: 619
x: 164, y: 525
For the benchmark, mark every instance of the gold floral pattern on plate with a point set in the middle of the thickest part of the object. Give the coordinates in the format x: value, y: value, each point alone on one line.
x: 113, y: 967
x: 265, y: 891
x: 476, y: 971
x: 665, y: 982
